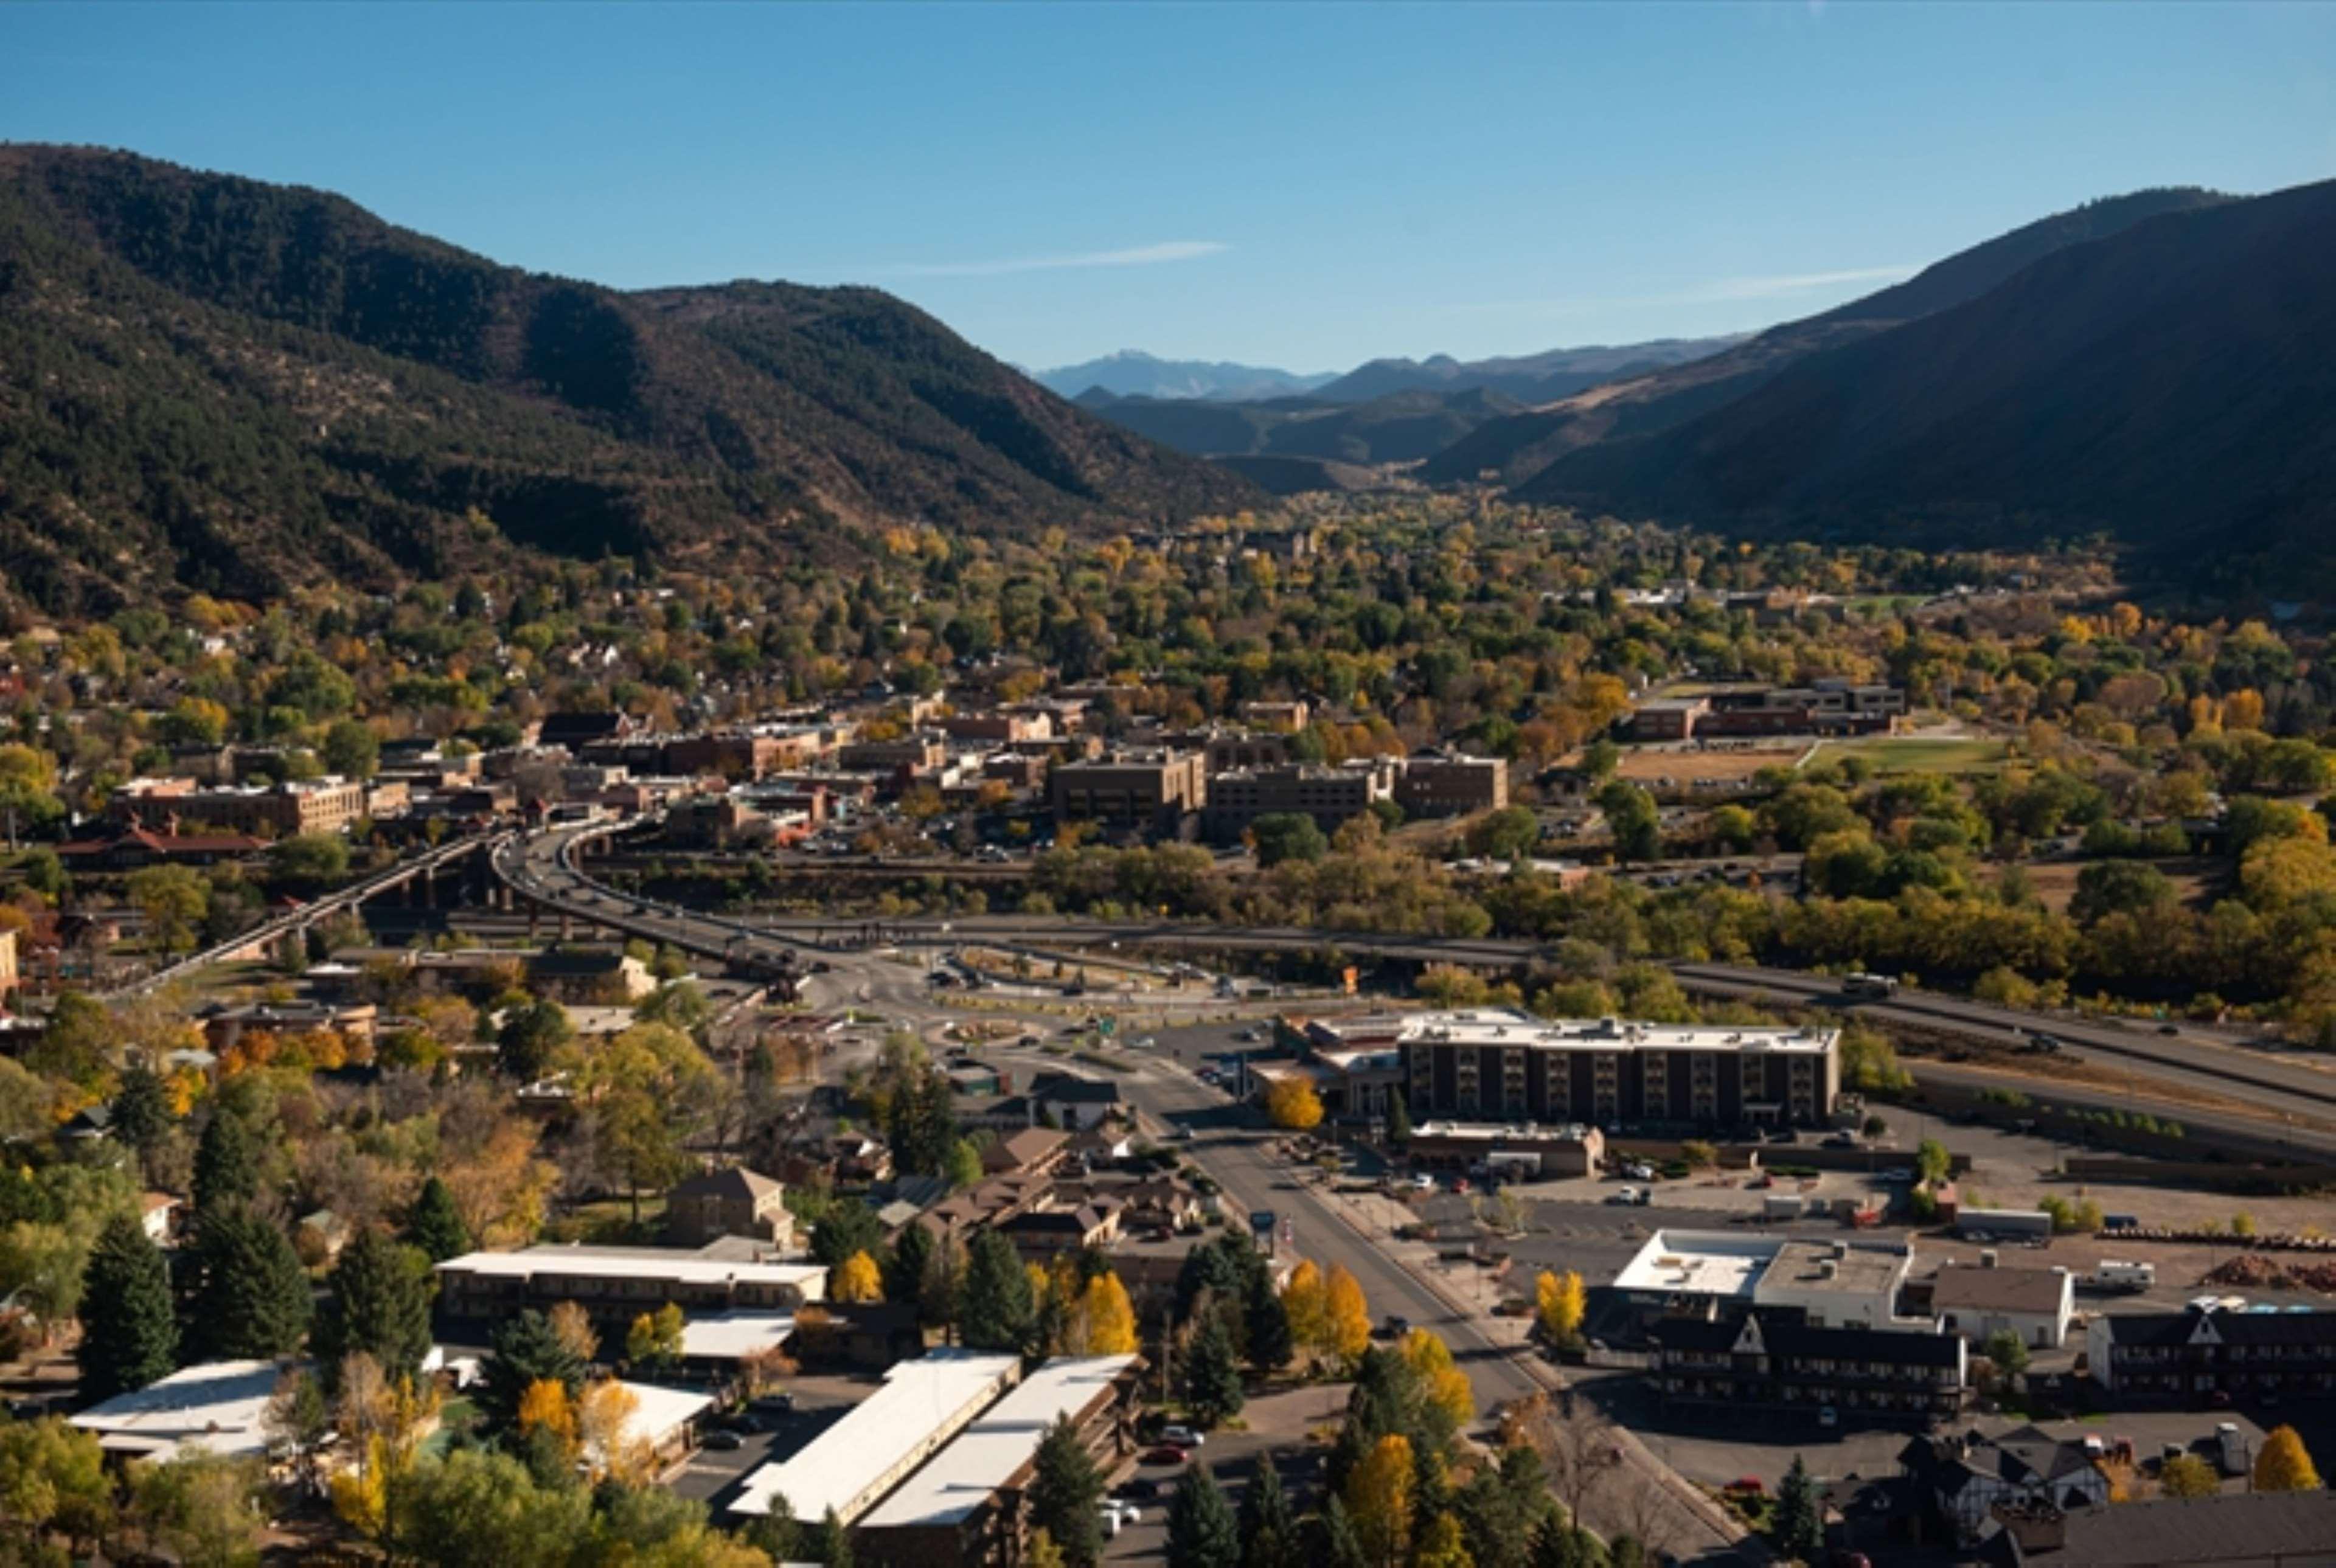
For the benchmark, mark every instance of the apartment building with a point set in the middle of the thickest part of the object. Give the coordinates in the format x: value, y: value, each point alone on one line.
x: 1444, y: 784
x: 1331, y: 796
x: 325, y: 805
x: 617, y: 1284
x: 2209, y: 1349
x: 1498, y: 1063
x: 1760, y: 1365
x: 1146, y: 789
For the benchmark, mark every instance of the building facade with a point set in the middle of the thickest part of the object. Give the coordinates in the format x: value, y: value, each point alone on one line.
x: 1143, y: 789
x: 2191, y: 1356
x: 1450, y: 783
x: 1331, y: 796
x: 1496, y: 1064
x: 1756, y: 1364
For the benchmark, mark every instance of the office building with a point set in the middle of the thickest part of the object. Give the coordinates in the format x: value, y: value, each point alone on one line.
x: 1503, y: 1064
x: 1445, y: 784
x: 1152, y: 790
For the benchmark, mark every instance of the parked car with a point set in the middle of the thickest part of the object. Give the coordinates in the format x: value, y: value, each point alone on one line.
x: 722, y: 1441
x: 1165, y: 1455
x: 1424, y: 1182
x: 1180, y: 1436
x: 1142, y: 1488
x: 1396, y: 1326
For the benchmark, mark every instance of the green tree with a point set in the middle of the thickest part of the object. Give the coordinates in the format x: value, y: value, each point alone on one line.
x: 526, y: 1349
x: 1271, y: 1342
x: 919, y: 1123
x: 2118, y: 887
x: 351, y: 749
x: 174, y: 900
x: 1932, y: 1161
x: 905, y: 1269
x: 531, y: 1035
x: 226, y: 1165
x: 849, y: 1226
x: 141, y: 1108
x: 1064, y: 1487
x: 310, y: 860
x: 53, y: 1480
x: 1268, y: 1531
x: 378, y: 1303
x: 996, y: 1307
x: 2008, y: 1350
x: 1398, y: 1123
x: 435, y: 1226
x: 2188, y: 1476
x: 1798, y: 1523
x: 130, y: 1335
x: 1337, y: 1545
x: 828, y: 1541
x: 1505, y: 834
x: 1633, y: 820
x: 477, y: 1508
x: 1287, y: 836
x: 253, y: 1302
x: 1212, y: 1380
x: 200, y: 1509
x: 1201, y: 1530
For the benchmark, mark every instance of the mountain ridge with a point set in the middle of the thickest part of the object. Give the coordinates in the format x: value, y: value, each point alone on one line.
x: 213, y: 382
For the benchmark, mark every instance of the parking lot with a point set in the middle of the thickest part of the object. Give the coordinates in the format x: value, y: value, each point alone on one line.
x: 711, y: 1474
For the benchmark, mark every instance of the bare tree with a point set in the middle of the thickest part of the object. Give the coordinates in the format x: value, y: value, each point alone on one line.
x: 1580, y: 1450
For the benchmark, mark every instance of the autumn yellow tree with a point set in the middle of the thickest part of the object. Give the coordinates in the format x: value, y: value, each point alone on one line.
x: 544, y: 1407
x: 1446, y: 1384
x: 1292, y: 1103
x: 1378, y: 1502
x: 604, y: 1417
x: 1110, y: 1317
x: 1560, y: 1302
x: 1349, y: 1316
x: 381, y: 1424
x: 856, y: 1279
x: 1306, y: 1303
x: 2284, y: 1465
x: 1442, y: 1547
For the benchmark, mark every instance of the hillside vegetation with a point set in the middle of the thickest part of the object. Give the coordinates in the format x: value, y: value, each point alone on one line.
x: 211, y: 382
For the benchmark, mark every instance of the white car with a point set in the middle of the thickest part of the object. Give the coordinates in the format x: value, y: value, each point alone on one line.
x: 1180, y: 1436
x: 1424, y: 1183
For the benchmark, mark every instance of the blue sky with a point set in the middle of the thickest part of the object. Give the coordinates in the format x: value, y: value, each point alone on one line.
x: 1307, y: 185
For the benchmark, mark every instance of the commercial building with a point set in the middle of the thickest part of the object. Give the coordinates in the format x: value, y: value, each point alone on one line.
x: 1980, y: 1302
x: 1668, y: 718
x: 2204, y: 1350
x: 1756, y: 1364
x: 1138, y: 789
x: 1331, y: 796
x: 1228, y: 750
x: 2228, y: 1530
x: 278, y: 811
x: 881, y: 1441
x: 1525, y: 1150
x: 964, y: 1509
x: 1443, y: 783
x: 1967, y: 1478
x: 1502, y: 1063
x: 1711, y: 1275
x: 617, y: 1284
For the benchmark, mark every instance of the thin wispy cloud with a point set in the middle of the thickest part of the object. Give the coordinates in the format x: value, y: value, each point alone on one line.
x: 1134, y: 256
x: 1719, y: 291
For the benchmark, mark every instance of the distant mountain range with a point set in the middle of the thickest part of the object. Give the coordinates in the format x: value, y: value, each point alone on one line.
x: 208, y: 382
x: 1131, y: 373
x: 1401, y: 427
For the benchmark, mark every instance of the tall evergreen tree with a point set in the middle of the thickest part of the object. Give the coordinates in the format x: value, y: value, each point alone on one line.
x: 1269, y: 1533
x: 527, y: 1350
x: 1212, y: 1380
x: 921, y: 1124
x: 996, y: 1308
x: 905, y: 1269
x: 1338, y: 1546
x: 827, y: 1542
x: 1202, y: 1531
x: 435, y: 1226
x: 1558, y: 1545
x: 1271, y: 1342
x: 1799, y: 1526
x: 253, y: 1302
x: 141, y: 1108
x: 227, y: 1167
x: 128, y: 1334
x: 379, y: 1303
x: 1064, y: 1487
x: 1398, y: 1123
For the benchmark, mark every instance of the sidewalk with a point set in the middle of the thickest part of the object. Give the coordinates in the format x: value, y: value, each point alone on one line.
x: 1696, y: 1526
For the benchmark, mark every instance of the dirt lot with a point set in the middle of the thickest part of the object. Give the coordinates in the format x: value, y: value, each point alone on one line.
x: 2197, y: 879
x: 1640, y: 765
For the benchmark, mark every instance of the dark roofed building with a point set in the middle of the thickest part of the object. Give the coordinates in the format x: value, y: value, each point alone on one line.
x: 1756, y: 1363
x: 1967, y: 1477
x: 2231, y: 1530
x: 573, y: 730
x: 130, y: 848
x: 2193, y: 1354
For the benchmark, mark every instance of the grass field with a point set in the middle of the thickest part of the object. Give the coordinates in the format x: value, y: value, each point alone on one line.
x: 1913, y: 754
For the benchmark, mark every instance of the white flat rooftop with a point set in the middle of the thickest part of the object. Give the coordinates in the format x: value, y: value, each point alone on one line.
x: 221, y: 1407
x: 658, y: 1412
x: 983, y: 1458
x: 735, y: 1336
x: 612, y: 1263
x: 921, y: 1402
x: 1508, y: 1027
x: 1700, y: 1263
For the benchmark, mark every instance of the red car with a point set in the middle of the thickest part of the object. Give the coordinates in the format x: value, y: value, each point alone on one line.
x: 1166, y: 1454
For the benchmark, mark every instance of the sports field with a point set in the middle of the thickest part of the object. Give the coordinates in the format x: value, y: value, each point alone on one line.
x: 1915, y: 753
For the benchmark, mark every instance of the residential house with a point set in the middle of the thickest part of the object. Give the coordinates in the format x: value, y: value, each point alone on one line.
x: 734, y: 1201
